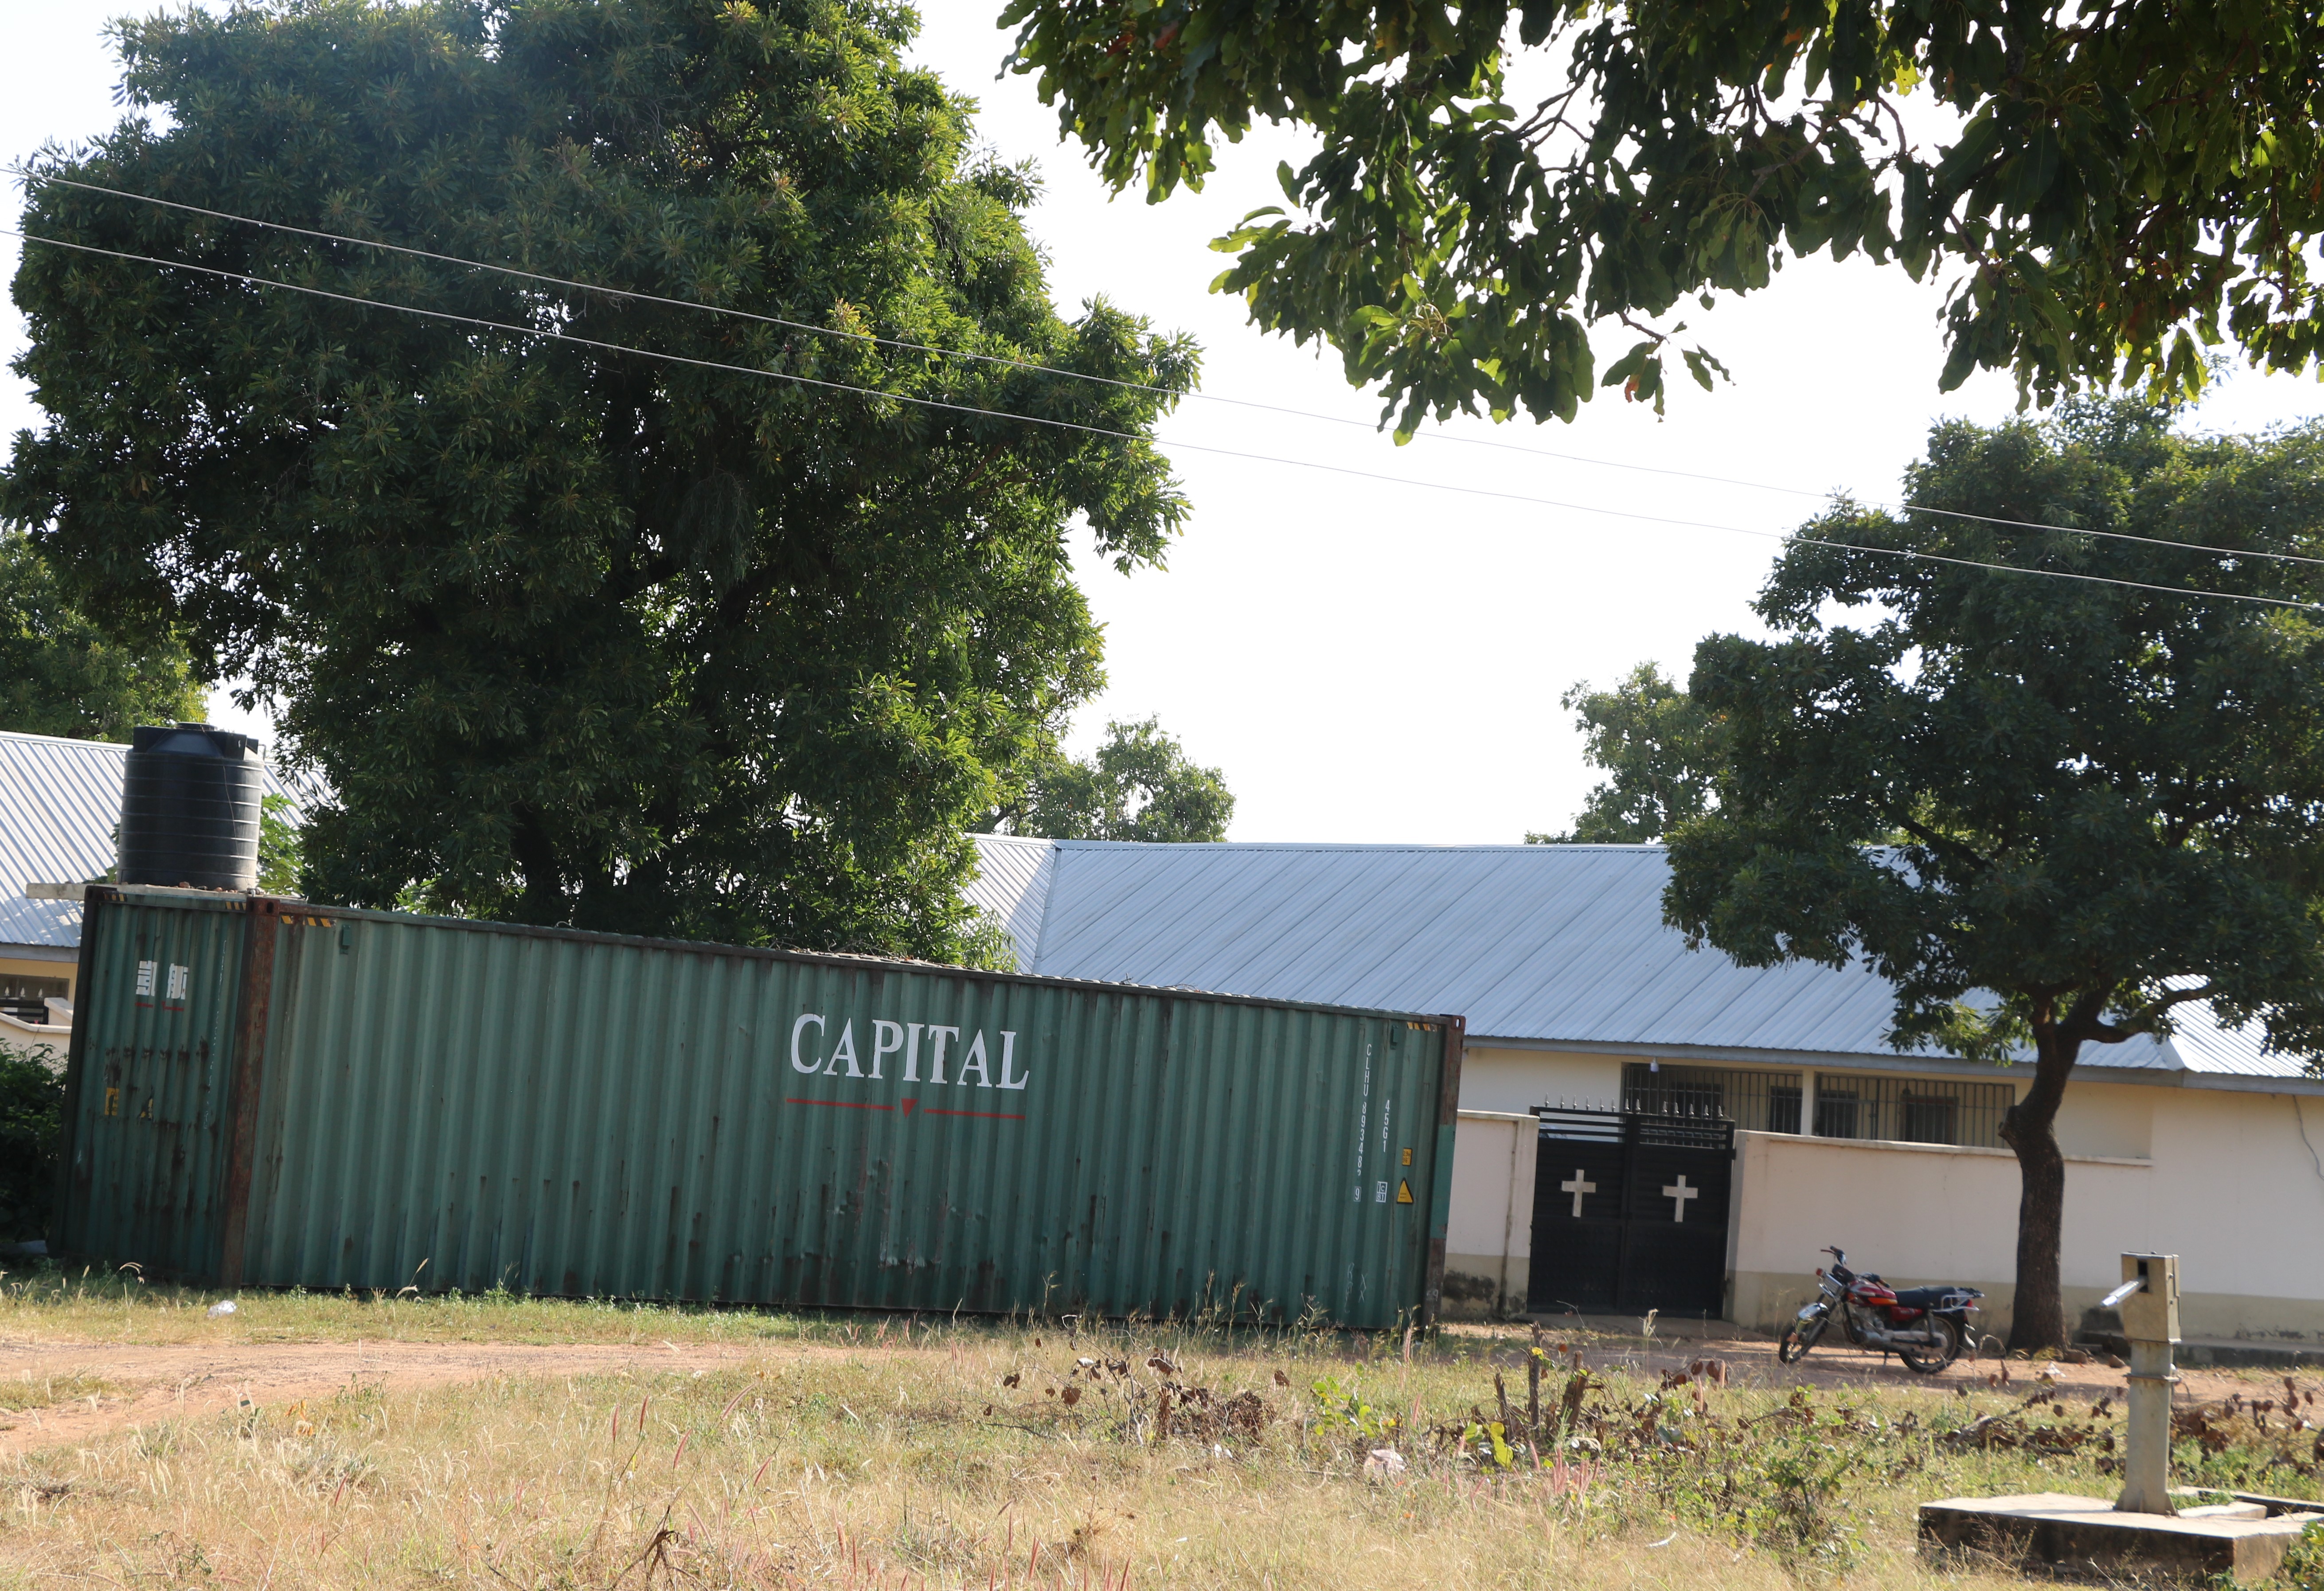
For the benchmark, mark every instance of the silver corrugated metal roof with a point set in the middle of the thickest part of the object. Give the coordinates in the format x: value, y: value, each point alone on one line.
x: 60, y: 801
x: 1013, y: 886
x: 1538, y: 943
x: 2207, y: 1046
x: 55, y: 924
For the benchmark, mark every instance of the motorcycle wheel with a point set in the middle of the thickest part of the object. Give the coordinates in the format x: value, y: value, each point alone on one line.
x: 1797, y: 1341
x: 1947, y: 1347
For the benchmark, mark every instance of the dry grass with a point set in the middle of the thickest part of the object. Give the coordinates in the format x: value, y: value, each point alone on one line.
x: 919, y: 1464
x: 855, y: 1453
x: 46, y: 1304
x: 19, y: 1393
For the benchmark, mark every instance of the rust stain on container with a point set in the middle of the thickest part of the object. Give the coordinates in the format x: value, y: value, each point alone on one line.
x: 390, y: 1100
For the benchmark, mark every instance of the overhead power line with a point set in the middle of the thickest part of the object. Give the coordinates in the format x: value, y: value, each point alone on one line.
x: 945, y: 404
x: 906, y: 346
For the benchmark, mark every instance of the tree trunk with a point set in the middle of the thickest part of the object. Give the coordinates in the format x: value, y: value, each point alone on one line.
x: 543, y: 900
x: 2038, y: 1318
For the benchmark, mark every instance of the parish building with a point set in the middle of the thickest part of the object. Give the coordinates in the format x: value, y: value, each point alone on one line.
x: 1643, y: 1125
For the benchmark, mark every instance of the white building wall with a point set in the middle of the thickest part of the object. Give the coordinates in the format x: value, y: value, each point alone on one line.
x: 2224, y: 1179
x: 1914, y: 1212
x: 36, y: 1042
x: 1520, y: 1080
x: 1488, y: 1231
x: 2243, y: 1209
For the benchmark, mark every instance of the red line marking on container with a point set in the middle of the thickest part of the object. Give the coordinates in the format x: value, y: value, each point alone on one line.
x: 982, y: 1115
x: 839, y: 1104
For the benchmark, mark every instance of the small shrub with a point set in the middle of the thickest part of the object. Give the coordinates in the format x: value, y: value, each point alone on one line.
x: 32, y: 1128
x: 2303, y: 1565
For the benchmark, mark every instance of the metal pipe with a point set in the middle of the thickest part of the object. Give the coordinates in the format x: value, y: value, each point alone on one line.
x: 1517, y: 1146
x: 2146, y: 1450
x: 2149, y: 1300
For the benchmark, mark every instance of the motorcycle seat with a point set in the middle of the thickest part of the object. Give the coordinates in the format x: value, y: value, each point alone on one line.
x: 1924, y: 1297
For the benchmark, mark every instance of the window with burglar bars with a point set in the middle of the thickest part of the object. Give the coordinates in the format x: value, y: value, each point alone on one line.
x: 26, y: 998
x: 1755, y: 1102
x: 1911, y: 1110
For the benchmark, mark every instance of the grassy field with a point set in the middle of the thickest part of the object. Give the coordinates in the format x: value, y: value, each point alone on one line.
x: 832, y: 1452
x: 45, y: 1304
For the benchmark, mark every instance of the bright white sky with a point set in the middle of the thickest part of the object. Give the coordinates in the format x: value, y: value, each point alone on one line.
x: 1366, y: 661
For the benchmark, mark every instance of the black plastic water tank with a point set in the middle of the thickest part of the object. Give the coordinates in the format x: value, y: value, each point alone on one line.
x: 189, y: 807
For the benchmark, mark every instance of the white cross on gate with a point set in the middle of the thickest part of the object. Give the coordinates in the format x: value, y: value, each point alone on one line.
x: 1577, y: 1185
x: 1680, y: 1192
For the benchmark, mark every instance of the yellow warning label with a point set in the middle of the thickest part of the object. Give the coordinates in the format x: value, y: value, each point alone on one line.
x: 112, y: 1101
x: 1407, y: 1156
x: 1403, y: 1191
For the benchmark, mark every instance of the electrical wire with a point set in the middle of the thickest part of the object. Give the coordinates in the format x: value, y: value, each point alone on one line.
x: 903, y: 345
x: 1789, y: 538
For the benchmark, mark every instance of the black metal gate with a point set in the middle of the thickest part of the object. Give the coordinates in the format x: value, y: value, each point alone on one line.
x: 1630, y: 1213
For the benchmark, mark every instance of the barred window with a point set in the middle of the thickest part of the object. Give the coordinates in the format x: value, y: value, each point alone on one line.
x: 1755, y: 1102
x: 26, y: 998
x: 1911, y: 1110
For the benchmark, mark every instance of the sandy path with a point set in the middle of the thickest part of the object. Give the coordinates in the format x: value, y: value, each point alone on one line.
x: 173, y: 1381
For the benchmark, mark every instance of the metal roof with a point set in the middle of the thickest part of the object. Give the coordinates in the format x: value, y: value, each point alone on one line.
x: 59, y: 802
x: 1012, y: 887
x: 1530, y: 943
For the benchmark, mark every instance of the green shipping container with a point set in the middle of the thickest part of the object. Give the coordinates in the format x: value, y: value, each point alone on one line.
x: 265, y: 1092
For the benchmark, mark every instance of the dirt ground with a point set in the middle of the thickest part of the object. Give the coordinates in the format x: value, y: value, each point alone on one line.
x: 1751, y: 1360
x: 149, y: 1383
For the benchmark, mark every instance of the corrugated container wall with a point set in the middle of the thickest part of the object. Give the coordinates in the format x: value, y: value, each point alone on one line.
x: 264, y: 1092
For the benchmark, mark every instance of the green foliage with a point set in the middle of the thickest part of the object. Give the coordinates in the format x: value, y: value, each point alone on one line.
x: 577, y: 636
x: 2125, y: 183
x: 1662, y: 749
x: 62, y: 674
x: 2048, y: 811
x: 1339, y: 1409
x: 281, y: 844
x: 2303, y: 1565
x: 986, y: 945
x: 1781, y: 1479
x: 1487, y: 1443
x: 32, y: 1128
x: 1140, y: 785
x: 2101, y: 793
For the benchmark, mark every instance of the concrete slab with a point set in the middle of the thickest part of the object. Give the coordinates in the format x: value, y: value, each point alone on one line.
x: 2064, y: 1531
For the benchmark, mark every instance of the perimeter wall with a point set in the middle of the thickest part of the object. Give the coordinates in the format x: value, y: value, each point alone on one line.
x: 2231, y: 1180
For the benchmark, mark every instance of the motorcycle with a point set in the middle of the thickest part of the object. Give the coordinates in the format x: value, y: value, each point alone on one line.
x: 1925, y: 1327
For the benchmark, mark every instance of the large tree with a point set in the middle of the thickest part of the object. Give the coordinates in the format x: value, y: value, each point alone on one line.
x: 2052, y: 811
x: 1139, y: 784
x: 62, y: 674
x: 2107, y: 189
x: 1661, y: 748
x: 707, y: 643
